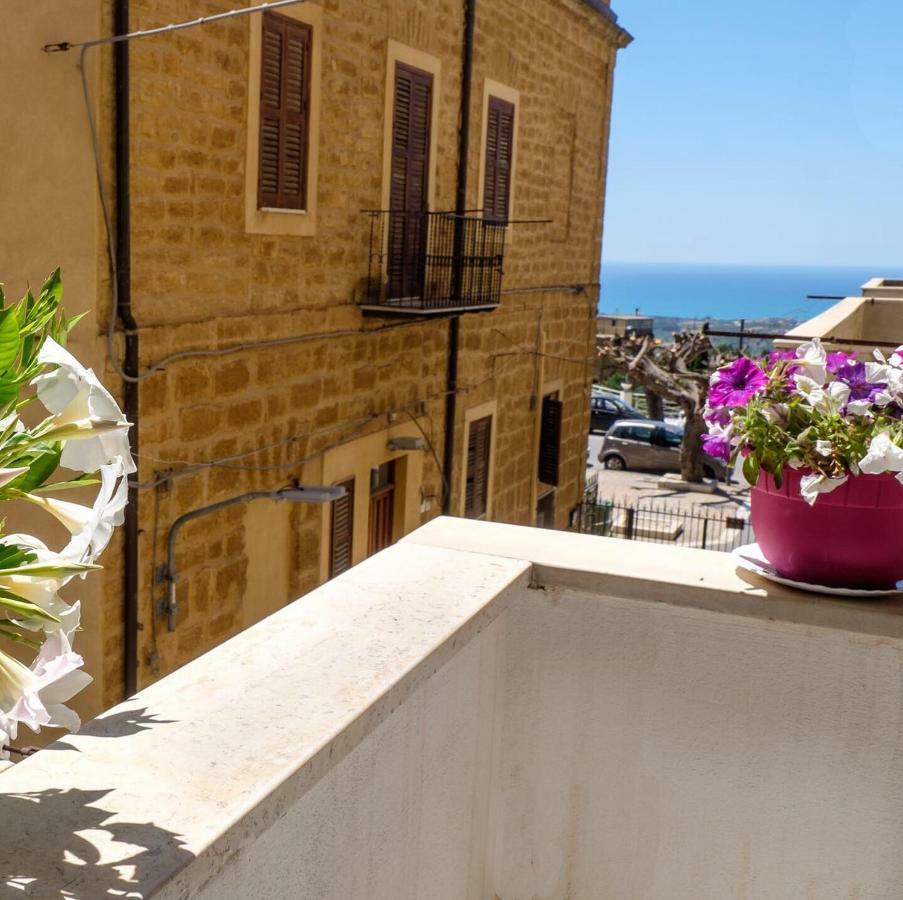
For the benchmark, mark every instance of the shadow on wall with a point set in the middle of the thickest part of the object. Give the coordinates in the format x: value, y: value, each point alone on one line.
x: 104, y: 858
x: 36, y: 820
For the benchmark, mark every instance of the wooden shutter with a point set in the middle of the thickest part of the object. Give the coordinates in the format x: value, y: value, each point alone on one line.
x: 409, y: 182
x: 499, y: 157
x: 476, y: 490
x: 342, y: 531
x: 284, y: 113
x: 550, y: 439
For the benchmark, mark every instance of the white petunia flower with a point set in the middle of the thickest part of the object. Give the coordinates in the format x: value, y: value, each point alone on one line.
x: 824, y: 448
x: 73, y: 393
x: 776, y: 414
x: 824, y: 398
x: 859, y: 407
x: 813, y: 485
x: 813, y: 359
x: 883, y: 456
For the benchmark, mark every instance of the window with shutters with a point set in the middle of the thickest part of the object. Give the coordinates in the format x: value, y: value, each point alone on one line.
x: 476, y: 488
x: 285, y: 76
x: 499, y: 160
x: 342, y: 531
x: 550, y: 439
x: 409, y: 181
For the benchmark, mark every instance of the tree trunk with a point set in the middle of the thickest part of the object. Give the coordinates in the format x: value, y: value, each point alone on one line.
x: 691, y: 448
x: 655, y: 405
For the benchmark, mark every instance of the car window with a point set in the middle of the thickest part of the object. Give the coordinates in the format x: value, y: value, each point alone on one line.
x: 671, y: 437
x: 635, y: 433
x: 610, y: 406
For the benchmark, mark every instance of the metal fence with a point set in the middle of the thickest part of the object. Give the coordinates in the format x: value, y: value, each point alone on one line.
x: 430, y: 261
x: 660, y: 523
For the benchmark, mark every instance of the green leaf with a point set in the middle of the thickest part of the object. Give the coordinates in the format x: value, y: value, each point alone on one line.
x: 15, y: 635
x: 41, y: 466
x: 79, y: 481
x: 52, y: 288
x: 9, y: 338
x: 751, y: 469
x: 25, y: 607
x: 53, y: 570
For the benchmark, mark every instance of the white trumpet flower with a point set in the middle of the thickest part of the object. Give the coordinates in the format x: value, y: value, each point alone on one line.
x: 73, y: 393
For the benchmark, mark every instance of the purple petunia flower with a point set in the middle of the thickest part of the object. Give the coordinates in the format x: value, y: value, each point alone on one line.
x: 861, y: 388
x: 716, y: 446
x: 837, y: 361
x: 737, y: 384
x: 717, y: 417
x: 777, y: 356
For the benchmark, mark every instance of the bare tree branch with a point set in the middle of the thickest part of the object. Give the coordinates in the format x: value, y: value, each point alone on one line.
x: 678, y: 372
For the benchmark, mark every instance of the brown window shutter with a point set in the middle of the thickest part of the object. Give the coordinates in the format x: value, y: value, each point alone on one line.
x: 476, y: 490
x: 342, y: 531
x: 409, y: 181
x: 499, y: 157
x: 550, y: 439
x: 284, y: 113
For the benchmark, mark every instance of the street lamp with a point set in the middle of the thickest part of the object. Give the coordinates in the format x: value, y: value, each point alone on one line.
x: 299, y: 493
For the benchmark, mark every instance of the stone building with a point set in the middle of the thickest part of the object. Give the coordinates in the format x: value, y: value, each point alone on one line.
x: 311, y: 285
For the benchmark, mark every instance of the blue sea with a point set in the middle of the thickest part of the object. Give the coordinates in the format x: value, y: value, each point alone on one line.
x: 728, y: 291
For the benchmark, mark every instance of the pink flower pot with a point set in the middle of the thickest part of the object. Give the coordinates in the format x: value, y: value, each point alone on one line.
x: 852, y: 537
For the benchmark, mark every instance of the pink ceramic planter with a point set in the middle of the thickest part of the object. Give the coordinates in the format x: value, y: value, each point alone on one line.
x: 852, y: 537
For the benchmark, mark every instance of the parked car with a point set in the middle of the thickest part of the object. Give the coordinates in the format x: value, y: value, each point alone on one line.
x: 646, y: 444
x: 606, y: 410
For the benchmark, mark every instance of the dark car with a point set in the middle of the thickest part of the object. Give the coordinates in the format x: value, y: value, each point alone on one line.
x: 606, y: 410
x: 650, y: 445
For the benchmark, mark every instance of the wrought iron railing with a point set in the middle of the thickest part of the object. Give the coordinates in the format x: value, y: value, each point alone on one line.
x: 433, y: 261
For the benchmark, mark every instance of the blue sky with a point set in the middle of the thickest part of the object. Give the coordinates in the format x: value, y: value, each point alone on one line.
x: 749, y: 132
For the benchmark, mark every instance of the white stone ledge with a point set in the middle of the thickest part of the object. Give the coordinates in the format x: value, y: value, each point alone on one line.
x: 679, y: 576
x: 195, y: 770
x: 234, y: 738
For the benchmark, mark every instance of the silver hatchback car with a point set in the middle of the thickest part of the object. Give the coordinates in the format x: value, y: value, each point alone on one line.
x: 646, y: 444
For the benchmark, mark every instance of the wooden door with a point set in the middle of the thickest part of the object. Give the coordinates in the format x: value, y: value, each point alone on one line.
x: 476, y: 488
x: 382, y: 508
x: 408, y: 190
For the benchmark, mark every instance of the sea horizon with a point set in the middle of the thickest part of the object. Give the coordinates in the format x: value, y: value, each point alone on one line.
x: 729, y: 290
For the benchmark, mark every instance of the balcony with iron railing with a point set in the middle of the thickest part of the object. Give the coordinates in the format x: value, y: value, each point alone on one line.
x: 488, y: 711
x: 432, y: 263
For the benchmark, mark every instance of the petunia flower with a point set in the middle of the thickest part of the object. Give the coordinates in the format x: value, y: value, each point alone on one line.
x: 855, y: 376
x: 827, y: 399
x: 73, y: 393
x: 736, y: 384
x: 883, y: 456
x: 836, y: 362
x: 815, y: 483
x: 812, y: 360
x: 717, y: 446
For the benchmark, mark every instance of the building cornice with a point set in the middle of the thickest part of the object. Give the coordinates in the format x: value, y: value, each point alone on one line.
x: 622, y: 37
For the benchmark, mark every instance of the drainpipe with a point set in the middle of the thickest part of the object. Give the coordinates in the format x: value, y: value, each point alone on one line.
x: 130, y: 330
x: 454, y: 324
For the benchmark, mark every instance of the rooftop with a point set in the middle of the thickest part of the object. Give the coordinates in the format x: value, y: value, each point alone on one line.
x: 486, y: 710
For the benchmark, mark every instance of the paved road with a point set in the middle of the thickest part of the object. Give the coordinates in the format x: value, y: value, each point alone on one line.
x: 640, y: 491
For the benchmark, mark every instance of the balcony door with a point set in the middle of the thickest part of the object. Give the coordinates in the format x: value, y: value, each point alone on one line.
x: 409, y: 182
x: 382, y: 508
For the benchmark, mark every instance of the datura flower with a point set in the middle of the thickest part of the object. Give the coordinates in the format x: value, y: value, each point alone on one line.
x: 74, y: 394
x: 86, y: 432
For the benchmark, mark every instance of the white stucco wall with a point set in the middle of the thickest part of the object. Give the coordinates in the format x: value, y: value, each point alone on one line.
x: 485, y: 711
